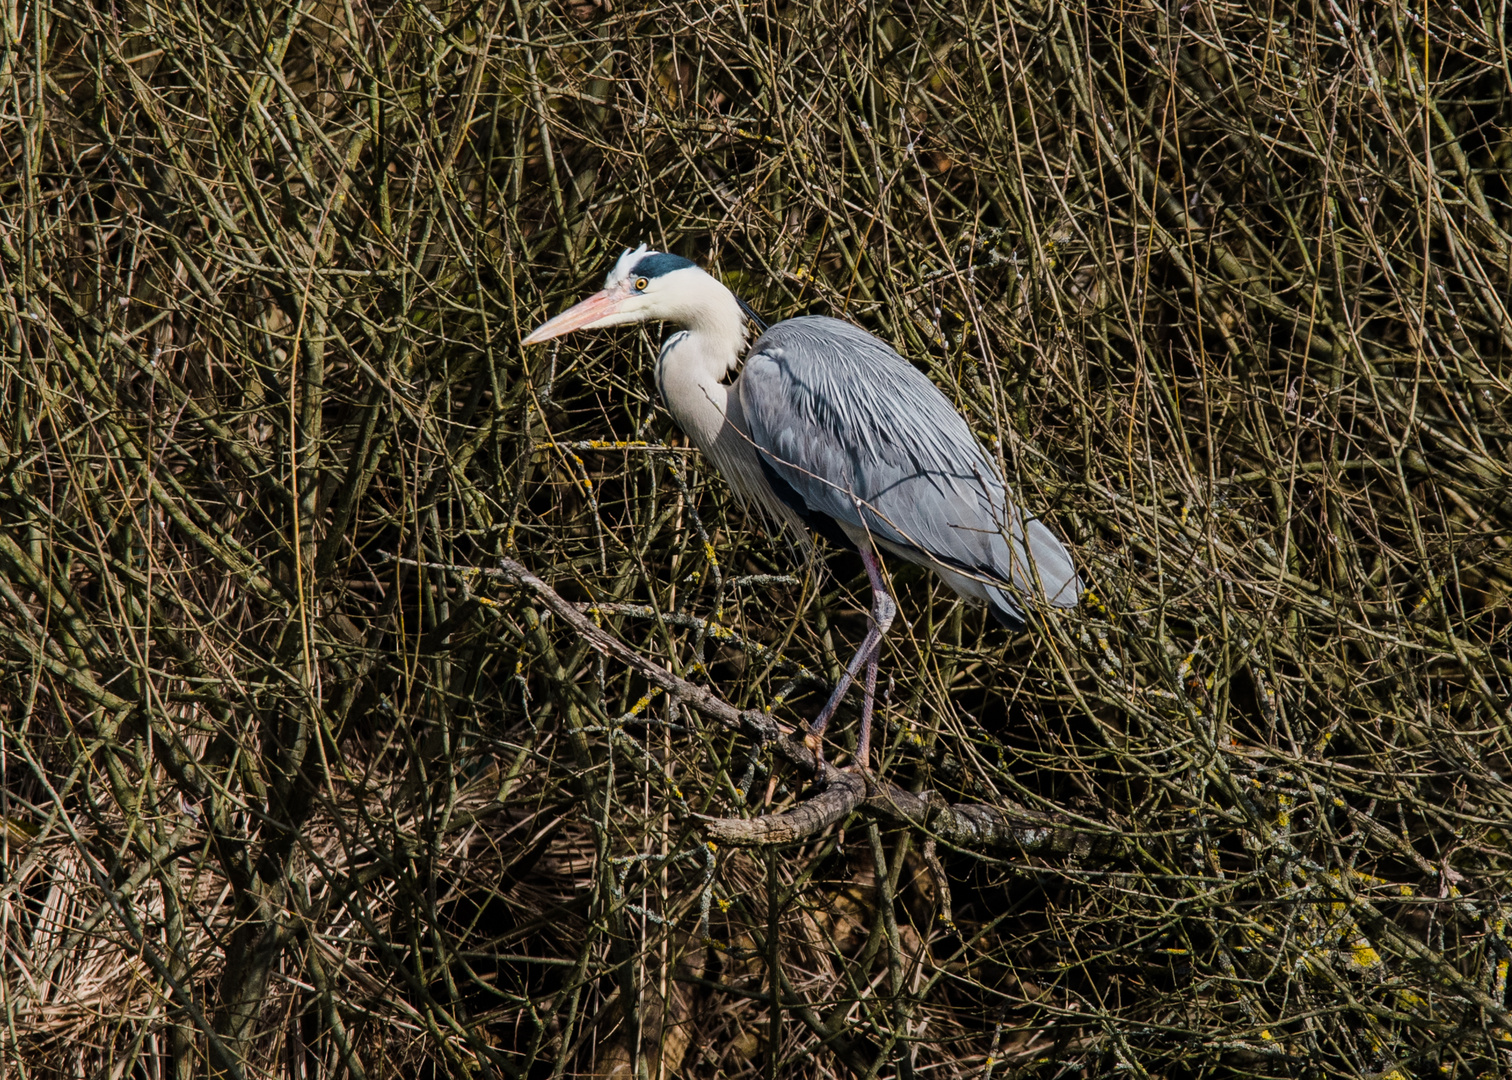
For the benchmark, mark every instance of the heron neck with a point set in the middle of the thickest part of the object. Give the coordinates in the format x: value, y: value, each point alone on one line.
x: 715, y: 326
x: 694, y: 363
x: 689, y: 376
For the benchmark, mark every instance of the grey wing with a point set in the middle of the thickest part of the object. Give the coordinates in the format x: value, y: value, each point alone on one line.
x: 862, y: 437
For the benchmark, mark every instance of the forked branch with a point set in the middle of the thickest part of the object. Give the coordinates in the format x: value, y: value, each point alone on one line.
x: 973, y: 826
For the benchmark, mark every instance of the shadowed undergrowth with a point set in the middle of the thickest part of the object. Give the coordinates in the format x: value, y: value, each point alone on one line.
x: 289, y: 790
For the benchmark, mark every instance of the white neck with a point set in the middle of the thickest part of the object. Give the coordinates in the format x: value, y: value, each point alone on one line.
x: 691, y: 372
x: 692, y: 366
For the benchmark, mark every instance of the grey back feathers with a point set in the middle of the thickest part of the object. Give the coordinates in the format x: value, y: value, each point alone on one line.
x: 864, y: 438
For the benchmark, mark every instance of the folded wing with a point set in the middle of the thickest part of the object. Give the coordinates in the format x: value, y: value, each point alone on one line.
x: 849, y: 429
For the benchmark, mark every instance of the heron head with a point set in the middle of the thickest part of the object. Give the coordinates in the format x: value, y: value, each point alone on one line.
x: 643, y: 285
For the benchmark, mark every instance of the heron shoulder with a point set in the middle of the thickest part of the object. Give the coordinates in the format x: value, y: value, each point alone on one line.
x: 822, y: 339
x: 830, y: 376
x: 821, y: 354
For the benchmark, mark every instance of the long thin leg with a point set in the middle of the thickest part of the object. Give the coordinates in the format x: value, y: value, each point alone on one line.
x: 882, y: 613
x: 863, y: 739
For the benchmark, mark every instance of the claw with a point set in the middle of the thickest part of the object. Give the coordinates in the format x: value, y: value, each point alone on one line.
x: 815, y: 745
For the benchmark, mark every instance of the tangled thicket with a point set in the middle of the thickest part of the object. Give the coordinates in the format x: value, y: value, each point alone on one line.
x: 289, y: 789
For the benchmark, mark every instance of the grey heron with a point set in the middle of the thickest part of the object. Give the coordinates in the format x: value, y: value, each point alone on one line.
x: 827, y: 429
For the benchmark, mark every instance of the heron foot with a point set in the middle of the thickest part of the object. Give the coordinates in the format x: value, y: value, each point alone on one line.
x: 815, y: 744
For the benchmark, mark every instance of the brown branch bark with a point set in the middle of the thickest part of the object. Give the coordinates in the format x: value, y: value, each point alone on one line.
x: 967, y: 825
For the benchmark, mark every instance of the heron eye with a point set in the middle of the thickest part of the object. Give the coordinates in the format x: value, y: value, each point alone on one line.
x: 640, y: 284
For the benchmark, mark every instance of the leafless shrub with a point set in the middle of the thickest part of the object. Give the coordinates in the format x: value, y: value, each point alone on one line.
x: 289, y: 789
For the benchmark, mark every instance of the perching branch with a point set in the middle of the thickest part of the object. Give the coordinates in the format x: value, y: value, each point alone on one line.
x: 967, y: 825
